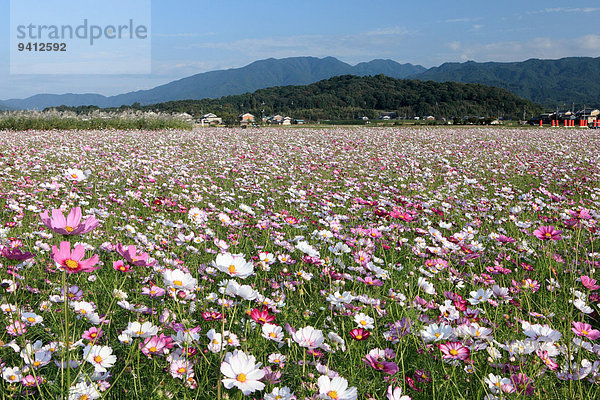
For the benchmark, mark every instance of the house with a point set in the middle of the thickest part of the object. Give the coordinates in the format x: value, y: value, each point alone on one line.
x: 276, y: 119
x: 247, y: 118
x: 286, y: 121
x: 299, y: 121
x: 210, y: 119
x: 588, y: 114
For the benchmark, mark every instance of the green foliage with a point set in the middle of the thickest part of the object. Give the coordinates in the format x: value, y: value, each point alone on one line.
x: 349, y: 97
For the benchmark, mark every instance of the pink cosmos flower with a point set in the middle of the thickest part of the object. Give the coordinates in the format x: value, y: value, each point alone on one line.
x: 547, y: 233
x: 585, y: 330
x: 73, y: 261
x: 17, y: 328
x: 389, y: 367
x: 362, y: 257
x: 92, y: 334
x: 133, y: 256
x: 454, y: 351
x: 156, y: 344
x: 71, y: 225
x: 153, y: 291
x: 121, y: 266
x: 589, y: 283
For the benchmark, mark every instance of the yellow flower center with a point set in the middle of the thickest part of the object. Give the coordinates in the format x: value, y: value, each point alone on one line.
x: 178, y: 283
x: 98, y: 359
x: 36, y: 363
x: 453, y: 352
x: 333, y: 394
x: 215, y: 341
x: 152, y: 349
x: 363, y: 322
x: 74, y: 176
x: 358, y: 337
x: 181, y: 370
x: 437, y: 334
x: 69, y: 229
x: 12, y: 378
x: 72, y: 264
x: 272, y: 334
x: 31, y: 319
x: 140, y: 333
x: 585, y: 332
x: 232, y: 269
x: 83, y: 397
x: 241, y: 378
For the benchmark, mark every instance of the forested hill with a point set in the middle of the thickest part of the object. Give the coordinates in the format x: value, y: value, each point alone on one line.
x: 552, y: 83
x: 348, y: 97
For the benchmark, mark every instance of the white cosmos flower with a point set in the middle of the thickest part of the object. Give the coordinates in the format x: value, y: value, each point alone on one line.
x: 335, y: 389
x: 364, y: 321
x: 309, y: 337
x: 197, y: 215
x: 76, y: 174
x: 339, y: 299
x: 242, y: 371
x: 83, y: 390
x: 435, y: 332
x: 100, y: 357
x: 233, y: 265
x: 216, y: 341
x: 179, y: 280
x: 137, y: 329
x: 284, y: 393
x: 12, y: 375
x: 272, y: 332
x: 307, y: 249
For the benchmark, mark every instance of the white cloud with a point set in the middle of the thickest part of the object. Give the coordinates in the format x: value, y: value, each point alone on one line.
x: 356, y: 47
x: 542, y: 47
x: 561, y: 10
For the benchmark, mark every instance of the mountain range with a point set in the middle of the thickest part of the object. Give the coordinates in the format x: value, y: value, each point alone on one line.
x: 258, y: 75
x: 552, y: 83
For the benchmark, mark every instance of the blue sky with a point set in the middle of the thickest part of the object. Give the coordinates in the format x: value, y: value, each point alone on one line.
x: 190, y: 37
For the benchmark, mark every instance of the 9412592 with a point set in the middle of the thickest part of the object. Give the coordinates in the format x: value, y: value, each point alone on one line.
x: 35, y: 46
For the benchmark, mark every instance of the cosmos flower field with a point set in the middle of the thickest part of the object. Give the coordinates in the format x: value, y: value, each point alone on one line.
x: 341, y: 263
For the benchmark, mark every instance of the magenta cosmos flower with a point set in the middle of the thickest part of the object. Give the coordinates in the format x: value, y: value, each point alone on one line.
x: 72, y: 225
x: 547, y: 233
x: 389, y: 367
x: 133, y: 256
x: 15, y: 254
x: 72, y: 261
x: 454, y: 351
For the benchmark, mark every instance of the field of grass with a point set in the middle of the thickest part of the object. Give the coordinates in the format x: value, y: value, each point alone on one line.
x: 308, y: 263
x: 20, y: 121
